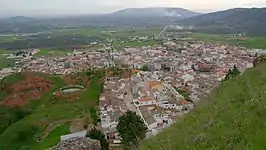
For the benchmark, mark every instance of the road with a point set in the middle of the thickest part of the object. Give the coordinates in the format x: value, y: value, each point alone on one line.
x: 129, y: 98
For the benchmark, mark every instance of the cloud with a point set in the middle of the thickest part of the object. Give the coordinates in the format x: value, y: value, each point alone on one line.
x: 51, y: 7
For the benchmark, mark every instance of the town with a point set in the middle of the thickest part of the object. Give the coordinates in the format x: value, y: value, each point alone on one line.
x: 166, y: 81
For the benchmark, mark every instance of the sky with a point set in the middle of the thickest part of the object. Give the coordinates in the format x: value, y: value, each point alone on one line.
x: 73, y: 7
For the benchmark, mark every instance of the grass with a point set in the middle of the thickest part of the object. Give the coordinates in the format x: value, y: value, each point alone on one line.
x: 80, y: 31
x: 7, y: 39
x: 49, y: 110
x: 233, y: 117
x: 138, y: 32
x: 53, y: 138
x: 5, y: 62
x: 2, y: 51
x: 249, y: 42
x: 9, y: 80
x: 52, y: 52
x: 120, y: 32
x: 12, y: 79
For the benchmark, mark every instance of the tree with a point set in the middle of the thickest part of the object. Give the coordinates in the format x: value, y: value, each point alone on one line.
x: 228, y: 75
x: 256, y: 55
x: 98, y: 135
x: 193, y: 67
x: 235, y: 71
x: 232, y: 73
x: 144, y: 68
x: 132, y: 129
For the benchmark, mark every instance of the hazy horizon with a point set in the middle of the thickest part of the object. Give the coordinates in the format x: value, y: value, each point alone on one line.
x: 33, y: 8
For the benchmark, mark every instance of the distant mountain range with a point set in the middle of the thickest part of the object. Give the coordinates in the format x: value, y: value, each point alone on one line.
x: 251, y: 21
x: 125, y: 17
x: 158, y: 11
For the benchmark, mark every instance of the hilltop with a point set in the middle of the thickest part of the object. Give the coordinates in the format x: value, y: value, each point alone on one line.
x: 156, y: 11
x: 233, y: 117
x: 251, y: 21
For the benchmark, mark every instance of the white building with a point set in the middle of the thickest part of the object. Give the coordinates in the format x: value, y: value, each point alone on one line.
x: 144, y: 101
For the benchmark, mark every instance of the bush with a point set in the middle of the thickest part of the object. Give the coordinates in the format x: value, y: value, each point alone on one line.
x: 94, y: 116
x: 98, y: 135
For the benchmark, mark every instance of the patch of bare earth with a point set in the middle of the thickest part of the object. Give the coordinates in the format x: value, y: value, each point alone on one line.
x: 77, y: 125
x: 32, y: 87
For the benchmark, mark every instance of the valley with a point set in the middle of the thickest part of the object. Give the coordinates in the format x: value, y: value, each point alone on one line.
x: 143, y: 78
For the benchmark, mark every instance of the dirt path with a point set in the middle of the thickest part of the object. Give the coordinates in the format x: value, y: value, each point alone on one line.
x: 51, y: 127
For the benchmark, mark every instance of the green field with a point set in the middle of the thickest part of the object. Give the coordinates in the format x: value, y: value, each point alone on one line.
x: 2, y: 51
x: 7, y: 39
x: 5, y: 63
x: 233, y: 117
x: 81, y: 31
x: 47, y: 112
x: 120, y: 32
x: 137, y: 32
x: 52, y: 52
x: 249, y: 42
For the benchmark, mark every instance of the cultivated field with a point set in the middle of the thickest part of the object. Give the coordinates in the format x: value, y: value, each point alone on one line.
x: 249, y: 42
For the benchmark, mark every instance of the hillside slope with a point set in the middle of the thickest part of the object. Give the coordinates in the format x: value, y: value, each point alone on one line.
x: 232, y: 118
x: 35, y: 120
x: 252, y: 21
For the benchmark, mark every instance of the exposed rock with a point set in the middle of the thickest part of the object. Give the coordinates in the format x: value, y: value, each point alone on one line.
x: 78, y: 143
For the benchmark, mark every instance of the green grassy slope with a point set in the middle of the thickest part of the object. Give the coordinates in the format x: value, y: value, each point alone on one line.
x: 46, y: 112
x: 232, y: 118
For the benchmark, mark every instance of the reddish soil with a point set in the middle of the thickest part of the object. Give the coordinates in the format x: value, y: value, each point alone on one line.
x: 32, y: 87
x: 72, y: 96
x: 69, y: 80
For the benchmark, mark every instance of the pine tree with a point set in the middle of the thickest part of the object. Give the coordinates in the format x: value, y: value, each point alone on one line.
x: 232, y: 73
x: 235, y: 71
x: 228, y: 75
x: 132, y: 129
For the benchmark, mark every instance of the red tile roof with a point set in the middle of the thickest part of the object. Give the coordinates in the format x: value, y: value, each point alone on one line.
x: 143, y: 99
x: 183, y: 102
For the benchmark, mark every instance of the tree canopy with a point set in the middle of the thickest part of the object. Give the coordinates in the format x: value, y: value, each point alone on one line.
x: 144, y: 68
x: 98, y: 135
x: 232, y: 73
x: 132, y: 129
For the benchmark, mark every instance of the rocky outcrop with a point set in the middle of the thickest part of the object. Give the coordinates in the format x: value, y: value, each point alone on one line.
x: 78, y: 143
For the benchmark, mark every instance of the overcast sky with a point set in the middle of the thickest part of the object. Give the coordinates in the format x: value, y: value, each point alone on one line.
x: 61, y: 7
